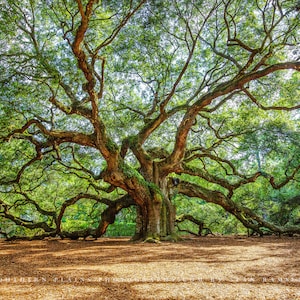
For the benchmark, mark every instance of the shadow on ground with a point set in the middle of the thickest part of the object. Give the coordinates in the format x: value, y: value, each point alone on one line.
x: 198, y: 268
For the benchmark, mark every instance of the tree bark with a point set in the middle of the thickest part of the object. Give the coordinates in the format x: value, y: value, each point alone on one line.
x: 156, y: 219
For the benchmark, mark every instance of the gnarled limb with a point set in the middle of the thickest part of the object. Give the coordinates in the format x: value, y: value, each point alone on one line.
x: 199, y: 223
x: 247, y: 217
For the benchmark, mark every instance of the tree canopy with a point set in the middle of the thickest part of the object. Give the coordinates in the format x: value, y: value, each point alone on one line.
x: 148, y: 109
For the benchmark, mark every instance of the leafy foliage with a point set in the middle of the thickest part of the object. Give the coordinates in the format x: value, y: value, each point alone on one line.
x: 103, y: 104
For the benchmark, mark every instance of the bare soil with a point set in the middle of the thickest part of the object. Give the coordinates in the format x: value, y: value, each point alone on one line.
x: 196, y: 268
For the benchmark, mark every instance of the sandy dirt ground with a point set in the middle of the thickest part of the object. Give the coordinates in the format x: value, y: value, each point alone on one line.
x: 196, y: 268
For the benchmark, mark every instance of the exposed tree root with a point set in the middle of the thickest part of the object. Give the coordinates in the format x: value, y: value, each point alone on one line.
x: 154, y: 240
x: 172, y: 238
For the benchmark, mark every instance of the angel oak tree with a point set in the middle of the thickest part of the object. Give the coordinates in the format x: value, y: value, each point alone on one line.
x: 106, y: 102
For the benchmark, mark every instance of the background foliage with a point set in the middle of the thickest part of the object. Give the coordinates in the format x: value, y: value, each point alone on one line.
x: 152, y: 64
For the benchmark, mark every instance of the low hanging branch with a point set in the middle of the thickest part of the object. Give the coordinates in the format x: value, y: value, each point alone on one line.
x: 107, y: 217
x: 200, y: 224
x: 247, y: 217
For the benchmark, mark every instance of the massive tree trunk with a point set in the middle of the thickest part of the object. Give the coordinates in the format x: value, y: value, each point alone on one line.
x: 156, y: 217
x: 156, y: 220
